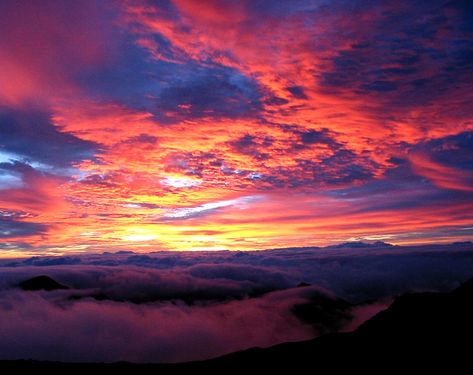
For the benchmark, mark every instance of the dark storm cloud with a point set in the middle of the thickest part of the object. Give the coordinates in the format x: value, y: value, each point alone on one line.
x: 402, y: 187
x: 258, y: 146
x: 338, y: 167
x: 399, y: 55
x: 10, y: 228
x: 30, y: 135
x: 131, y: 79
x: 209, y: 92
x: 380, y: 86
x: 316, y: 136
x: 465, y: 13
x: 297, y: 92
x: 343, y: 167
x: 454, y: 151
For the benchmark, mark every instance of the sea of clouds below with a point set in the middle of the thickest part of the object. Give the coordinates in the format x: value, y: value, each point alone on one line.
x: 169, y: 307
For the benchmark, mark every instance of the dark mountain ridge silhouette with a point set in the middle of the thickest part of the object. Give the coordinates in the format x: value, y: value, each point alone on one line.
x: 360, y: 245
x: 41, y: 282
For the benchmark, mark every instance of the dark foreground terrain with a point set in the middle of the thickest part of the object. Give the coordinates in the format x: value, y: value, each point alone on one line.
x: 419, y: 330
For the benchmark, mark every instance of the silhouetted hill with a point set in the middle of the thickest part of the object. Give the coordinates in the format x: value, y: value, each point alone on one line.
x: 421, y: 331
x: 42, y: 282
x: 323, y: 313
x: 360, y: 245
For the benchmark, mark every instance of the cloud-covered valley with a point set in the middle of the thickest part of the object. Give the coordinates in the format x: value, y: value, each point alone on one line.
x: 171, y: 307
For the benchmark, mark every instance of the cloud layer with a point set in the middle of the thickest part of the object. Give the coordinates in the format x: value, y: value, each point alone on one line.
x: 166, y: 307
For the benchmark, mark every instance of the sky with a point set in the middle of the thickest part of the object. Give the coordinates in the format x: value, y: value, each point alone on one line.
x: 238, y: 125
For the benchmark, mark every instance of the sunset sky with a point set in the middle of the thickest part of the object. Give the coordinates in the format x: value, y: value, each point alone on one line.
x: 239, y: 125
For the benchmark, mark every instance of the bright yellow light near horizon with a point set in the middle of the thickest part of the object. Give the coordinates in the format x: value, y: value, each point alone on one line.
x: 140, y: 235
